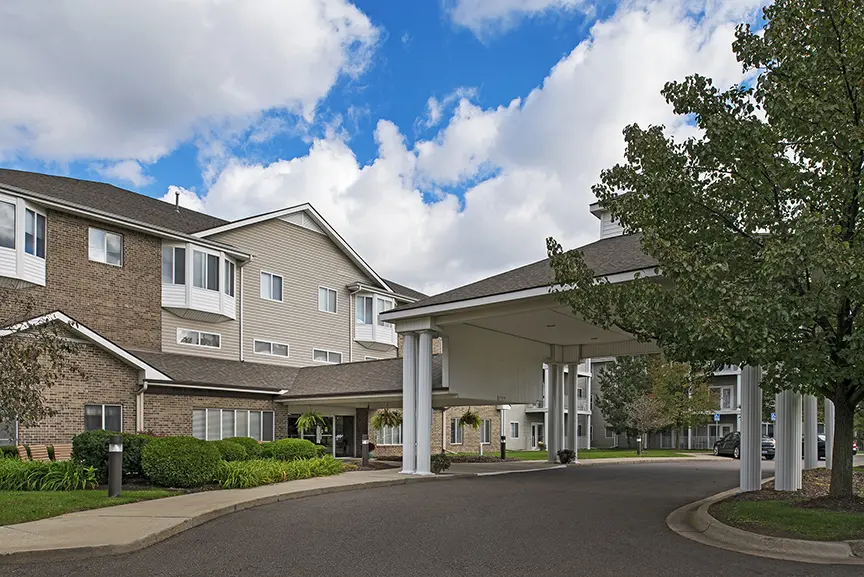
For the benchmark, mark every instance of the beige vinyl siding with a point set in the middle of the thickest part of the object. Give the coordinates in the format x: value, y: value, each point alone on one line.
x: 609, y: 226
x: 306, y: 260
x: 229, y: 331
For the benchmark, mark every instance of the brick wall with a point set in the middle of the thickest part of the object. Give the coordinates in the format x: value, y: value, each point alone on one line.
x: 120, y: 303
x: 437, y: 345
x: 103, y: 380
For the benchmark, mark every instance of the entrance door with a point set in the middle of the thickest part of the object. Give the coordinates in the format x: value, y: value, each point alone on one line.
x: 319, y: 435
x: 344, y: 429
x: 537, y: 435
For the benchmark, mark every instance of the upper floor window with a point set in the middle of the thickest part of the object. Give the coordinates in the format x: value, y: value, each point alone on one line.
x: 105, y: 247
x: 229, y: 278
x: 384, y: 305
x: 326, y: 300
x: 322, y: 356
x: 173, y: 265
x: 205, y: 270
x: 7, y: 225
x: 364, y: 310
x: 270, y: 348
x: 271, y: 286
x: 34, y: 233
x: 199, y: 338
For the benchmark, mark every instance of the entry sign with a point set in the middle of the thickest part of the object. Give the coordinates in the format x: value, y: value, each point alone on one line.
x: 716, y: 417
x: 773, y: 416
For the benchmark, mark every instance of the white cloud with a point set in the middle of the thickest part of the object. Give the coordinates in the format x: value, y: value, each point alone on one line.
x: 130, y: 80
x: 485, y: 16
x: 528, y: 165
x: 184, y: 197
x: 129, y: 171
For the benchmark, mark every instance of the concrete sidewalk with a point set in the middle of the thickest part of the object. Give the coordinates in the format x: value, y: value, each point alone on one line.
x: 133, y: 526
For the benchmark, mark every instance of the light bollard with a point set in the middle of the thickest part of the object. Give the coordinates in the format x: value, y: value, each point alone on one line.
x: 503, y: 447
x: 365, y: 451
x: 115, y: 466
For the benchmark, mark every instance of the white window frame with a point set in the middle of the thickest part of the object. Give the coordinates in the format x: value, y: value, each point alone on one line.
x: 368, y: 358
x: 335, y: 300
x: 235, y: 411
x: 14, y: 205
x: 207, y: 256
x: 486, y: 426
x: 377, y: 312
x: 174, y: 248
x: 720, y: 389
x: 610, y: 433
x: 229, y: 280
x: 362, y: 299
x: 269, y: 296
x: 382, y: 436
x: 36, y: 214
x: 179, y: 342
x: 271, y: 353
x: 106, y: 234
x: 102, y: 406
x: 516, y: 436
x: 329, y: 352
x: 456, y: 429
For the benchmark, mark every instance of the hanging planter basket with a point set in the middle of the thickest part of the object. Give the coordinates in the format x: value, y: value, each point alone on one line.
x: 471, y: 419
x: 311, y: 420
x: 386, y: 418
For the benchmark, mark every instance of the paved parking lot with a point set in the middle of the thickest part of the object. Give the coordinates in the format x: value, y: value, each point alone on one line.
x: 594, y: 521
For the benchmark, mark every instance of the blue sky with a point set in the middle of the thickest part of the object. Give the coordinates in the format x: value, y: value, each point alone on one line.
x: 445, y: 139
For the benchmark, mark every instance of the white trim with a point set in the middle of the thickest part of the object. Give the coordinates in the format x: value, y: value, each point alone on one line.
x: 329, y: 352
x: 169, y: 383
x: 335, y: 302
x: 271, y: 353
x: 316, y: 217
x: 518, y: 426
x: 351, y: 398
x: 105, y: 234
x: 103, y: 343
x: 281, y: 298
x: 129, y: 223
x: 368, y: 358
x: 392, y: 294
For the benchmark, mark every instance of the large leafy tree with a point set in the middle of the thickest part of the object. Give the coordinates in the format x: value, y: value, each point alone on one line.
x: 621, y: 383
x: 645, y: 414
x: 755, y: 222
x: 683, y: 392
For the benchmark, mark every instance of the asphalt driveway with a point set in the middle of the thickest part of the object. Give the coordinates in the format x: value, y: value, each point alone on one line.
x: 593, y: 521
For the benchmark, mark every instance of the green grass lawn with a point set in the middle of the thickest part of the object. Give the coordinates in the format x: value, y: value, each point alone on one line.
x: 779, y: 518
x: 23, y: 506
x: 598, y: 454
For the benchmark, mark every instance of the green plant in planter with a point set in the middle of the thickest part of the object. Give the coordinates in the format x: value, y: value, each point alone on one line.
x: 566, y: 456
x: 311, y: 420
x: 440, y: 463
x: 471, y: 419
x: 386, y: 418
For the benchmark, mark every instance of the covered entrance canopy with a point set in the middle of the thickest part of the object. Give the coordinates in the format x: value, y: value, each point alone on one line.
x: 498, y: 332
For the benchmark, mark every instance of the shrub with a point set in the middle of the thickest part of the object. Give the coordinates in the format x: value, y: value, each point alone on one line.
x: 321, y: 450
x: 265, y: 450
x: 251, y: 445
x: 8, y: 452
x: 245, y: 474
x: 91, y: 449
x: 291, y: 450
x: 440, y: 463
x: 16, y: 475
x: 566, y: 456
x: 231, y: 451
x: 180, y: 461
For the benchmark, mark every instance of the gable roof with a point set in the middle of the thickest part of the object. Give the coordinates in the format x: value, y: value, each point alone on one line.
x: 316, y: 217
x: 150, y: 372
x: 110, y: 199
x: 404, y: 291
x: 608, y: 256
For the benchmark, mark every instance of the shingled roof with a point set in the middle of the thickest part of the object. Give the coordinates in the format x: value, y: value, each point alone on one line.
x: 193, y: 370
x: 110, y: 199
x: 401, y: 289
x: 605, y: 257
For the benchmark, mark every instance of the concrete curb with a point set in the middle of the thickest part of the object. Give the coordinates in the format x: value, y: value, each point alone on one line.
x: 640, y: 460
x: 694, y: 522
x: 89, y: 552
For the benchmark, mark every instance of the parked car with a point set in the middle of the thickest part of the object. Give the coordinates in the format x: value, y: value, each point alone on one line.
x: 820, y: 447
x: 731, y: 445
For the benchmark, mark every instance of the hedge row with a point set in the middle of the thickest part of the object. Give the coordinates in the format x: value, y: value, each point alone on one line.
x: 17, y: 475
x: 91, y: 449
x: 245, y: 474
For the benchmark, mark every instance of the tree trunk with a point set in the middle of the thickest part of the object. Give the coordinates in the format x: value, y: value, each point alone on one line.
x: 841, y: 462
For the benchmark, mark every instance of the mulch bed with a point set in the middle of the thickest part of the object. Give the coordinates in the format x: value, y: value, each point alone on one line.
x: 813, y: 494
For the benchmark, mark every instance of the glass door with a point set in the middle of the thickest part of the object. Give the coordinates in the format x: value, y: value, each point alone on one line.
x: 345, y: 438
x: 536, y: 435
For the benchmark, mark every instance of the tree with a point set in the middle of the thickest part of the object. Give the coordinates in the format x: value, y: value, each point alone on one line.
x: 34, y: 356
x: 621, y: 383
x: 645, y: 415
x: 683, y: 392
x: 756, y: 221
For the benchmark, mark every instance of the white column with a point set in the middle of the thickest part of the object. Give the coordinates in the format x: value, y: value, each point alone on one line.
x: 751, y: 429
x: 424, y: 404
x: 811, y: 430
x: 787, y: 433
x: 588, y: 433
x: 572, y: 415
x: 738, y: 400
x: 829, y: 432
x: 555, y: 436
x: 690, y: 438
x: 409, y: 403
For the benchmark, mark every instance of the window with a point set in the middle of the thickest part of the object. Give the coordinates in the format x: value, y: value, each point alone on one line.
x: 609, y: 432
x: 271, y: 286
x: 514, y: 429
x: 106, y: 247
x: 322, y: 356
x: 364, y: 310
x: 199, y: 338
x: 384, y: 305
x: 455, y: 432
x: 173, y: 265
x: 107, y: 417
x: 390, y: 435
x: 229, y: 278
x: 579, y: 431
x: 326, y: 300
x: 485, y: 432
x: 725, y: 394
x: 216, y: 424
x: 205, y: 270
x: 368, y: 358
x: 7, y: 225
x: 270, y: 348
x: 34, y: 233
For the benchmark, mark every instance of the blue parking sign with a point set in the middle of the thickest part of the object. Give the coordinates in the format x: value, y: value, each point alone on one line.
x: 773, y: 416
x: 716, y: 417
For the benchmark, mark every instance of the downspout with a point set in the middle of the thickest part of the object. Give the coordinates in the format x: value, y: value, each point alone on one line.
x: 139, y: 405
x: 240, y: 313
x: 351, y: 323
